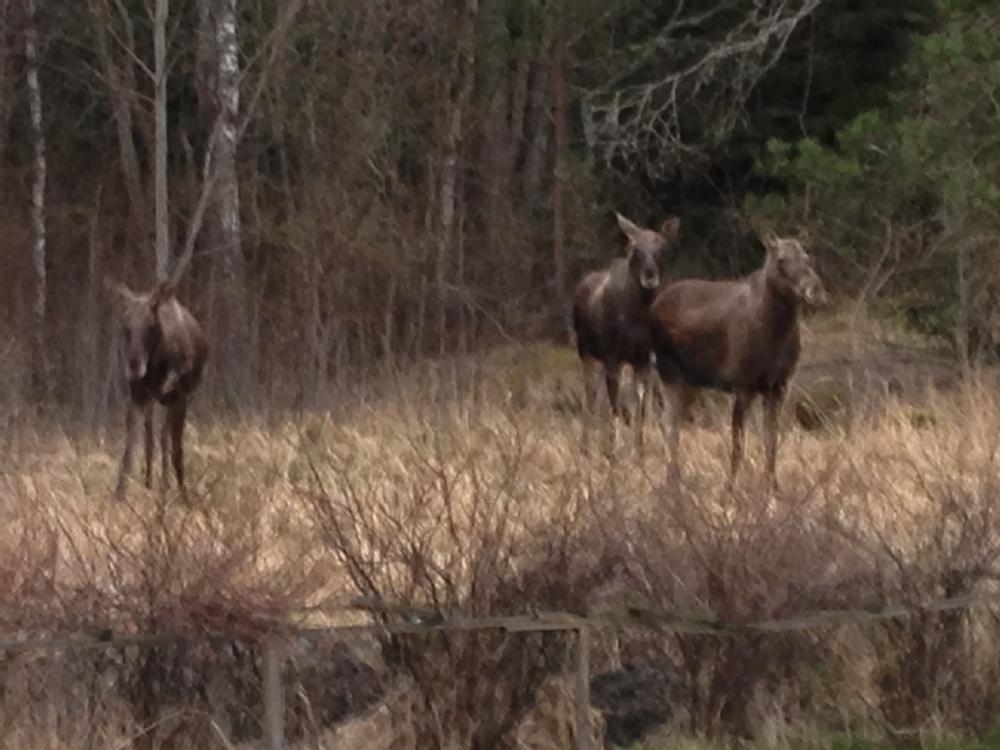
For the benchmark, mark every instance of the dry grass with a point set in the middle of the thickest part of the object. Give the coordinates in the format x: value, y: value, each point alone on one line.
x: 486, y: 503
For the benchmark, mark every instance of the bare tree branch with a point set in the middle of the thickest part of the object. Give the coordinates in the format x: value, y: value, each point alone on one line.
x: 629, y: 122
x: 210, y: 173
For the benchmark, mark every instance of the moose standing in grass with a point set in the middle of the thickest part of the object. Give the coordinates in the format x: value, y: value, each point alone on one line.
x: 610, y: 309
x: 165, y: 352
x: 740, y: 336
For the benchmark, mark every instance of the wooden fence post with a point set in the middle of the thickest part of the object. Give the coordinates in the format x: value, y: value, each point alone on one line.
x: 583, y: 688
x: 274, y: 699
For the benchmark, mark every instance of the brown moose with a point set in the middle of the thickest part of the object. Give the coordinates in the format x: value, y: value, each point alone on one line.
x: 610, y: 315
x: 165, y: 352
x: 740, y: 336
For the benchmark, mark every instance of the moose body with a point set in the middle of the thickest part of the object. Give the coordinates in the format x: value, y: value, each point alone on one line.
x: 165, y: 353
x: 610, y: 309
x: 740, y: 336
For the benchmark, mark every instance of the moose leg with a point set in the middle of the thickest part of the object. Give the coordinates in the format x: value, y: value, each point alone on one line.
x: 741, y: 404
x: 176, y: 415
x: 612, y: 380
x: 148, y: 416
x: 643, y: 384
x: 673, y: 414
x: 772, y: 406
x: 126, y: 465
x: 165, y: 454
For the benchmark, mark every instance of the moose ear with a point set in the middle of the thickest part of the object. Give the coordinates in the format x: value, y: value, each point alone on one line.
x: 631, y: 230
x: 164, y: 291
x: 670, y: 229
x: 771, y: 242
x: 119, y: 293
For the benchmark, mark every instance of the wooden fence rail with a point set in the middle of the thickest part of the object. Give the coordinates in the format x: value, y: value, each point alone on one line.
x: 405, y: 620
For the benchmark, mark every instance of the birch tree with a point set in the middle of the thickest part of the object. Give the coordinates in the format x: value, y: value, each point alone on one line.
x: 38, y: 225
x: 228, y: 204
x: 219, y: 63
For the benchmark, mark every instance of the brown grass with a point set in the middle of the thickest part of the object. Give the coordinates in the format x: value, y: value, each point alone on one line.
x: 485, y: 504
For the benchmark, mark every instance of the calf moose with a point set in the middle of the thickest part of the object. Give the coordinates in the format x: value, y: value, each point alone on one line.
x: 165, y: 352
x: 737, y: 335
x: 610, y: 315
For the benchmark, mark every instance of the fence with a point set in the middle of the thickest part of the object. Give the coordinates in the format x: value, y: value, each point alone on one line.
x: 255, y: 673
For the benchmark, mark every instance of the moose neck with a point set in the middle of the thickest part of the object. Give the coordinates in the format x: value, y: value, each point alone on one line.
x: 779, y: 308
x: 637, y: 298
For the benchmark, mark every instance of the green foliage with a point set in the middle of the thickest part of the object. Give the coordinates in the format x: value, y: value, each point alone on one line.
x: 837, y: 64
x: 913, y: 180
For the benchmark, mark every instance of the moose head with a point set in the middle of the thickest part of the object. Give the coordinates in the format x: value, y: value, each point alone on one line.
x: 646, y: 248
x: 140, y: 316
x: 789, y: 270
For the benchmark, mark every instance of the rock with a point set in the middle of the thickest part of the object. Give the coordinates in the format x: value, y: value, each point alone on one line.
x: 333, y: 684
x: 634, y: 700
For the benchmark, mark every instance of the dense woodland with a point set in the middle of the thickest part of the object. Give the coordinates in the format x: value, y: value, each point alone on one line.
x: 342, y: 183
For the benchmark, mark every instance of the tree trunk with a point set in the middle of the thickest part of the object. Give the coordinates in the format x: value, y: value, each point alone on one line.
x: 90, y: 336
x: 229, y: 106
x: 5, y: 93
x: 206, y: 67
x: 539, y: 121
x: 964, y: 318
x: 121, y: 90
x: 463, y: 71
x: 388, y: 329
x: 160, y: 115
x: 518, y: 107
x: 39, y: 364
x: 319, y: 358
x: 496, y: 162
x: 227, y: 202
x: 559, y: 117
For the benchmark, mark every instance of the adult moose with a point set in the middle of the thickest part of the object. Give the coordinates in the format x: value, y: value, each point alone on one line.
x: 740, y: 336
x: 610, y: 310
x: 165, y: 352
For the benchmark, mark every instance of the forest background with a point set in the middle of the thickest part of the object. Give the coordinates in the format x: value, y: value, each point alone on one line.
x: 344, y: 184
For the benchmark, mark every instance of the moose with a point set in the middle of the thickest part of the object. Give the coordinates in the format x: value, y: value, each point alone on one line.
x: 165, y: 353
x: 610, y: 315
x: 740, y: 336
